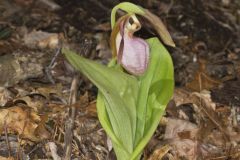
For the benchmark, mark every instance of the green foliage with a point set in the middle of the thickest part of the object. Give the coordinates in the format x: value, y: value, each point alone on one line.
x: 130, y: 107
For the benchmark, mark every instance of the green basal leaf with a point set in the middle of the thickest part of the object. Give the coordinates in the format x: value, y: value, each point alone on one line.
x: 118, y: 93
x: 130, y: 108
x: 157, y: 85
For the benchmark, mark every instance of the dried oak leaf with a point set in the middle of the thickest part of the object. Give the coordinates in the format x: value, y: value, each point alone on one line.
x: 47, y: 91
x: 5, y: 96
x: 202, y: 80
x: 6, y: 158
x: 159, y: 153
x: 23, y: 122
x: 181, y: 135
x: 36, y: 105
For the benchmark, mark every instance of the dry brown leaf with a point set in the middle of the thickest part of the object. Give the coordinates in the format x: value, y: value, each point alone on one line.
x: 6, y: 158
x: 5, y: 96
x: 46, y: 91
x: 55, y: 108
x: 40, y: 39
x: 35, y: 104
x: 91, y: 110
x: 41, y: 130
x: 181, y: 96
x: 210, y: 140
x: 201, y: 100
x: 207, y: 107
x: 204, y: 105
x: 21, y: 121
x: 159, y: 153
x: 88, y: 108
x: 175, y: 127
x: 202, y: 80
x: 185, y: 148
x: 182, y: 136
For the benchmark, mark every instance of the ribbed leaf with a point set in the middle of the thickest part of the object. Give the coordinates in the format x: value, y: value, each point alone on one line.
x: 156, y: 89
x: 116, y: 101
x: 130, y: 109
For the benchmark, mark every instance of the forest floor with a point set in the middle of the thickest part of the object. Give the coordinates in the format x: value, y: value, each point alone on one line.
x: 202, y: 121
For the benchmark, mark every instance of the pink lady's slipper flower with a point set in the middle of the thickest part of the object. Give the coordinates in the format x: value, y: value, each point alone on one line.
x: 132, y: 52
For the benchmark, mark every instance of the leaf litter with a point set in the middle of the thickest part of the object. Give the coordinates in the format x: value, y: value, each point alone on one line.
x: 201, y: 122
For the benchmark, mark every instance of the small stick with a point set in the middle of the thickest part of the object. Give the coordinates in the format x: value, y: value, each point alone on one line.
x: 7, y: 141
x: 49, y: 67
x: 69, y: 124
x: 55, y: 57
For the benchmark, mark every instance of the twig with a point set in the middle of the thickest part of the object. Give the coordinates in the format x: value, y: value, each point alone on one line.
x: 69, y: 124
x: 55, y: 57
x: 7, y: 141
x: 20, y: 141
x: 49, y: 67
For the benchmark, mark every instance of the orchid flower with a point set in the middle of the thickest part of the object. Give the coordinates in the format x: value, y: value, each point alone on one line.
x: 132, y: 52
x: 130, y: 103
